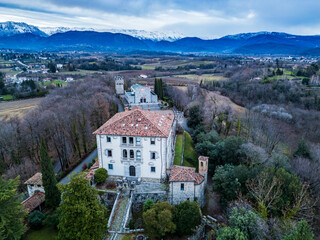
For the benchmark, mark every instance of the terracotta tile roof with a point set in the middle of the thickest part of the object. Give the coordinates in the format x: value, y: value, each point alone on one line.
x: 90, y: 175
x: 185, y: 174
x: 95, y: 165
x: 34, y: 201
x: 137, y: 122
x: 35, y: 179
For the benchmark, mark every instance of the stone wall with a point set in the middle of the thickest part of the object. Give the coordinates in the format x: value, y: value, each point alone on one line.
x: 154, y: 196
x: 177, y: 195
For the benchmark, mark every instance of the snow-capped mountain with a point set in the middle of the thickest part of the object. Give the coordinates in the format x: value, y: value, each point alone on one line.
x: 244, y: 36
x: 140, y: 34
x: 149, y: 35
x: 14, y: 28
x: 53, y: 30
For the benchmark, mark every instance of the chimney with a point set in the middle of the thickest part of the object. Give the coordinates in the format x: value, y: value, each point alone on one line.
x: 149, y: 109
x: 126, y: 109
x: 203, y: 165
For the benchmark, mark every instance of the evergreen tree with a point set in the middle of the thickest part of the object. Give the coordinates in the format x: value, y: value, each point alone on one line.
x: 82, y: 216
x: 156, y: 86
x: 48, y: 178
x: 11, y: 213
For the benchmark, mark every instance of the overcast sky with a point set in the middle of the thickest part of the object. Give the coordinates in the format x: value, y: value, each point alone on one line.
x: 202, y: 18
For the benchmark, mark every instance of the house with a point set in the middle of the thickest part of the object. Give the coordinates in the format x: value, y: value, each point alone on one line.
x: 36, y: 193
x: 187, y: 184
x: 139, y: 95
x: 137, y: 144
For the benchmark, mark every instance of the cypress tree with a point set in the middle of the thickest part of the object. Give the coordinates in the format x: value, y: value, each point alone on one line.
x: 49, y: 180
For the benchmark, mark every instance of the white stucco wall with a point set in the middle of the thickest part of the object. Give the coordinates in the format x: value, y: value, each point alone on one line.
x: 119, y: 83
x: 34, y: 188
x: 143, y: 166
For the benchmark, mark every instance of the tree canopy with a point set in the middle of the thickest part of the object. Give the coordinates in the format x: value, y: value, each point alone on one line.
x: 158, y: 220
x: 49, y: 180
x: 11, y: 212
x: 82, y: 216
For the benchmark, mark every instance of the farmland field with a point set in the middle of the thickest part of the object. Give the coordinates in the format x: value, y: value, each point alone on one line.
x: 203, y: 77
x: 17, y: 108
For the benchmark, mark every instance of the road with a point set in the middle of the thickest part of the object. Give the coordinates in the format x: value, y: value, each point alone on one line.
x: 78, y: 169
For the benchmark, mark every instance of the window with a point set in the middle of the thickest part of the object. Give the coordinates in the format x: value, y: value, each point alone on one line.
x: 131, y: 140
x: 138, y: 154
x: 153, y: 169
x: 132, y: 171
x: 201, y: 164
x: 153, y: 155
x: 108, y: 139
x: 124, y: 140
x: 110, y: 166
x: 131, y: 154
x: 153, y: 141
x: 138, y: 141
x: 109, y: 153
x: 124, y: 153
x: 182, y: 187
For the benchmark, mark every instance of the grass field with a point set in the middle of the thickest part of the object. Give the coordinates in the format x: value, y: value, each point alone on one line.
x: 203, y: 77
x: 7, y: 97
x: 17, y: 108
x: 178, y: 150
x: 43, y: 234
x: 190, y: 158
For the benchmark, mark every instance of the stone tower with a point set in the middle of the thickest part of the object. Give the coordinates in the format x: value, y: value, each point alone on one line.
x: 203, y: 165
x: 119, y: 85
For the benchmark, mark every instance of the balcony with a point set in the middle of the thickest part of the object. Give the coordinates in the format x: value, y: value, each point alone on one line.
x: 128, y: 159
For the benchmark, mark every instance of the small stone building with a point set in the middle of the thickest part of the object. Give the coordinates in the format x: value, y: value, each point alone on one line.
x: 187, y: 184
x: 36, y: 193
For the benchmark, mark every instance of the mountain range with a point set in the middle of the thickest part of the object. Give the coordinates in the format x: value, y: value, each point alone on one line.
x: 23, y: 36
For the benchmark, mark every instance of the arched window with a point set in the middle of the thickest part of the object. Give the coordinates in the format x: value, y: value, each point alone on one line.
x: 131, y: 154
x: 132, y: 171
x: 125, y: 153
x: 138, y: 154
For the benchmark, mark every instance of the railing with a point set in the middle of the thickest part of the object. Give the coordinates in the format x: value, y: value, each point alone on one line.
x: 137, y: 159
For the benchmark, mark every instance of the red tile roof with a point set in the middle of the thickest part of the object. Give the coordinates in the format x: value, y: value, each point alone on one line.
x: 35, y: 179
x: 137, y: 122
x: 34, y: 201
x: 185, y: 174
x: 95, y: 165
x: 90, y: 175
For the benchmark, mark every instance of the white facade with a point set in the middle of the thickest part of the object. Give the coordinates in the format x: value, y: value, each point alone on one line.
x: 34, y: 188
x: 119, y: 85
x: 140, y: 95
x: 140, y: 157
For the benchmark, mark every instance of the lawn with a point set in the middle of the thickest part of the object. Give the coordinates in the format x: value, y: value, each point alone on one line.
x: 7, y: 97
x: 190, y: 158
x: 42, y: 234
x: 178, y: 150
x: 203, y: 77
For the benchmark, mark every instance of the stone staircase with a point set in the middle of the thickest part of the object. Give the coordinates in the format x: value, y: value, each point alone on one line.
x: 119, y: 214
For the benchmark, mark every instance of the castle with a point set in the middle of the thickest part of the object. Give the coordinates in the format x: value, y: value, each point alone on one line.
x: 138, y: 145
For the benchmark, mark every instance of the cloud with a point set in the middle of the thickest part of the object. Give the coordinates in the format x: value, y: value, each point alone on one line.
x: 204, y: 18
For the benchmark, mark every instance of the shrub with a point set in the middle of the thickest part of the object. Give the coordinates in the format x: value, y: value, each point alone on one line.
x: 147, y: 205
x: 35, y: 219
x: 131, y: 224
x: 51, y: 220
x: 84, y: 166
x: 100, y: 175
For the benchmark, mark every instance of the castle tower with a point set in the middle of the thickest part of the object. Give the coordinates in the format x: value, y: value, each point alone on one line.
x: 203, y: 165
x: 119, y: 85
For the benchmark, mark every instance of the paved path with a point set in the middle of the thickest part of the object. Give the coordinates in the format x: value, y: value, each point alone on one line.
x: 120, y: 214
x: 78, y: 169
